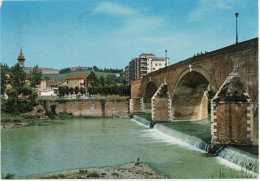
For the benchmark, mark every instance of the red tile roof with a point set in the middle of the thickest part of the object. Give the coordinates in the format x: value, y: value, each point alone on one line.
x: 54, y: 83
x: 77, y: 77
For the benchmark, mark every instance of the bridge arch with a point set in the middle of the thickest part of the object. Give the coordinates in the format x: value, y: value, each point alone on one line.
x: 150, y: 90
x: 189, y: 100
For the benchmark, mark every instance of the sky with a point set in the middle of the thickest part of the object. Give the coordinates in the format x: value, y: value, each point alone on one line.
x: 109, y: 33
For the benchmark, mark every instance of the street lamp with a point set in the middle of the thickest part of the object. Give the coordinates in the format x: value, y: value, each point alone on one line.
x: 236, y: 14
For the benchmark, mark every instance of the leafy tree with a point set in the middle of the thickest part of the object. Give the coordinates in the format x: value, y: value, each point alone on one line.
x: 17, y: 77
x: 61, y: 91
x: 27, y: 91
x: 67, y: 90
x: 76, y: 90
x: 108, y: 80
x: 102, y: 80
x: 90, y: 89
x: 71, y: 91
x: 82, y: 90
x: 12, y: 93
x: 36, y: 76
x: 3, y: 81
x: 93, y: 79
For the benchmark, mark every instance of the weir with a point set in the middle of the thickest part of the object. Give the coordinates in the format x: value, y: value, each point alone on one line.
x: 238, y: 157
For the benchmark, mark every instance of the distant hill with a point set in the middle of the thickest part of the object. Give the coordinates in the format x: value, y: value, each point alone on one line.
x: 44, y: 70
x: 62, y: 77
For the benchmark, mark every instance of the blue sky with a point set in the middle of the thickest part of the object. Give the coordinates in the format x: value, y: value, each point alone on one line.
x: 109, y: 33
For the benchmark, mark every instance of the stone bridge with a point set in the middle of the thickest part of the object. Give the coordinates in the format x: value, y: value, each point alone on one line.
x: 180, y: 92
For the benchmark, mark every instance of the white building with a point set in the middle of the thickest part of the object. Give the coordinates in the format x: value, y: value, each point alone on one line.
x: 150, y: 63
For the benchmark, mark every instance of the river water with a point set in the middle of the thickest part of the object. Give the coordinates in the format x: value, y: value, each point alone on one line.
x: 86, y: 143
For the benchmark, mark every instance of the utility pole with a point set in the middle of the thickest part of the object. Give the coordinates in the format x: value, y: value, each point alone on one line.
x: 236, y: 14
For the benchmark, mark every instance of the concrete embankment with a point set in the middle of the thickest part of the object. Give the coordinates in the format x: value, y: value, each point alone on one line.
x: 90, y: 107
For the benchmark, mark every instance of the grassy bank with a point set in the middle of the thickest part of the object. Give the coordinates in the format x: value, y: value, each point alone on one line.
x: 15, y: 121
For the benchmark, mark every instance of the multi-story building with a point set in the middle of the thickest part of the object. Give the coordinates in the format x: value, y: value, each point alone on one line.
x: 146, y: 63
x: 127, y: 74
x: 77, y: 80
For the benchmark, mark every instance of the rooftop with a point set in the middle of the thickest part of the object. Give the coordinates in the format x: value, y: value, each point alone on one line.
x: 76, y: 77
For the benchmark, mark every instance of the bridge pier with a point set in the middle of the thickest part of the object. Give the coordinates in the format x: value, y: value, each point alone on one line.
x: 162, y: 105
x: 136, y: 105
x: 232, y: 114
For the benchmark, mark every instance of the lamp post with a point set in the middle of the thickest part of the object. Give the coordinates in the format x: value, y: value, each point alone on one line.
x: 236, y: 14
x: 166, y: 54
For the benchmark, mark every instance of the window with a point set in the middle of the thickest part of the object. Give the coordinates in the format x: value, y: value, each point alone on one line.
x: 153, y: 68
x: 160, y: 64
x: 156, y: 64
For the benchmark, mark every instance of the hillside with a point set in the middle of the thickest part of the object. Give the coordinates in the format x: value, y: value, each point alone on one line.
x: 62, y: 77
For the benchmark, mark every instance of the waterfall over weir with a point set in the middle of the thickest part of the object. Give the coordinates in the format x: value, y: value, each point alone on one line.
x: 142, y: 120
x: 240, y: 158
x: 191, y: 140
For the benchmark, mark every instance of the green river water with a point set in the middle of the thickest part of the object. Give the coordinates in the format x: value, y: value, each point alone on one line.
x: 86, y: 143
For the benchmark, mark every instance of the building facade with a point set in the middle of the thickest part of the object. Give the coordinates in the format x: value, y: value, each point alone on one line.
x: 77, y: 80
x: 143, y: 65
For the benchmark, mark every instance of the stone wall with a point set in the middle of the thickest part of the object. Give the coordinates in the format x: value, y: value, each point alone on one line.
x: 95, y: 108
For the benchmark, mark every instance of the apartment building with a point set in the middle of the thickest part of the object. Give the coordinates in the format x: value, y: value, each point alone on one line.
x: 143, y: 65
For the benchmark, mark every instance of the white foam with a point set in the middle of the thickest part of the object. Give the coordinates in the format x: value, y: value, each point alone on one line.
x: 140, y: 123
x: 234, y: 166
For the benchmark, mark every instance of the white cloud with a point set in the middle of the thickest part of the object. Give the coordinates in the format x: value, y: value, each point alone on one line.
x: 113, y: 8
x: 206, y: 7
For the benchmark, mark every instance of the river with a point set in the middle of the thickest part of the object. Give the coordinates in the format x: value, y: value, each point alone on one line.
x: 85, y: 143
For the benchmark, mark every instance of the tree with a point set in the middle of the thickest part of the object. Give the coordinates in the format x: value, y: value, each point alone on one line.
x: 36, y: 76
x: 82, y: 90
x: 102, y: 80
x: 108, y: 80
x: 18, y: 77
x: 61, y: 91
x: 76, y: 90
x: 3, y: 81
x: 71, y: 91
x: 93, y: 79
x: 67, y: 90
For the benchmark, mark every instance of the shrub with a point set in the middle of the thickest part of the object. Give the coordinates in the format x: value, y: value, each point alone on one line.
x: 82, y: 171
x: 9, y: 176
x: 53, y: 108
x: 40, y: 110
x: 115, y: 174
x: 50, y: 114
x: 65, y: 116
x: 30, y: 116
x: 93, y: 175
x: 112, y: 96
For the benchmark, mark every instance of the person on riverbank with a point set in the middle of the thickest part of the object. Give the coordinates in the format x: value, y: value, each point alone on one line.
x: 137, y: 162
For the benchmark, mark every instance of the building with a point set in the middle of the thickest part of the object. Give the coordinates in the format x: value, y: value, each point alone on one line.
x: 77, y: 80
x: 21, y: 59
x: 146, y: 63
x: 127, y: 74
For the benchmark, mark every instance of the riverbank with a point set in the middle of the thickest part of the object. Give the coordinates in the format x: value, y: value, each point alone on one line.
x: 127, y: 171
x: 9, y: 121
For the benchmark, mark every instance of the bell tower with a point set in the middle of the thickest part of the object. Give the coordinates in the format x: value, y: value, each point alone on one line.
x: 21, y: 59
